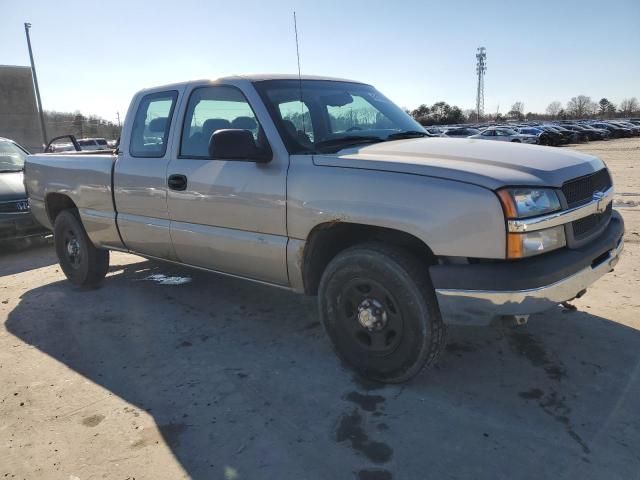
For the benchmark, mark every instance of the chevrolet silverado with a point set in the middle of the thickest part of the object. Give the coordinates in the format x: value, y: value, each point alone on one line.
x: 325, y: 187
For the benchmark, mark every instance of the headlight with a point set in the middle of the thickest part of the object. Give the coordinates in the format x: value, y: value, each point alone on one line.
x: 531, y: 202
x: 521, y: 245
x: 528, y: 202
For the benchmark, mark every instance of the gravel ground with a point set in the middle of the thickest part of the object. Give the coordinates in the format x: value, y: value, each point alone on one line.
x: 165, y: 373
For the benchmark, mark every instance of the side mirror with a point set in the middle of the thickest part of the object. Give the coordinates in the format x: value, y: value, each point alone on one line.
x: 237, y: 144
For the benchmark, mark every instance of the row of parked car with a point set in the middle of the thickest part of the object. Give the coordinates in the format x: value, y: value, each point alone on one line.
x: 544, y: 133
x: 86, y: 144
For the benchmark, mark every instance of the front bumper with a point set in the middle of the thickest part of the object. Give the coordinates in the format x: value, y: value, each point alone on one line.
x: 476, y: 294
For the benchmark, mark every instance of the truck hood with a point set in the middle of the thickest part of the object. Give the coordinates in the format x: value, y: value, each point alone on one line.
x: 12, y: 186
x: 489, y: 164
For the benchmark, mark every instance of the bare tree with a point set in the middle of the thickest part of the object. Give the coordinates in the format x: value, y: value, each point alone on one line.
x: 554, y: 108
x: 628, y: 106
x: 421, y: 111
x: 517, y: 110
x: 65, y: 123
x: 581, y: 106
x: 518, y: 107
x: 469, y: 113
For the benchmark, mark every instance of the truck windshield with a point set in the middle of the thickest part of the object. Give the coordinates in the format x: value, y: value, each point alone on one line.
x: 326, y: 116
x: 12, y: 157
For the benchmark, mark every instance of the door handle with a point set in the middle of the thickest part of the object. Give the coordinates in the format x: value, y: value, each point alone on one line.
x: 177, y: 182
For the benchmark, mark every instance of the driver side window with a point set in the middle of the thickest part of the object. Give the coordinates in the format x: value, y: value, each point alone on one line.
x: 211, y: 109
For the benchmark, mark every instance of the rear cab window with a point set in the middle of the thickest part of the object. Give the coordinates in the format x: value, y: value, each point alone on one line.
x: 150, y: 131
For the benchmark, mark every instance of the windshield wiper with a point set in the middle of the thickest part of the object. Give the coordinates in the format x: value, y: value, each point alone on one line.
x: 407, y: 134
x: 348, y: 140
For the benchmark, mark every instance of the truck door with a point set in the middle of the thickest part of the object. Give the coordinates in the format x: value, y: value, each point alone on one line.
x: 140, y: 176
x: 228, y: 216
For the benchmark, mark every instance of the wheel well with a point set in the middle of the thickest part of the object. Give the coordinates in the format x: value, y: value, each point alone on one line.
x: 327, y: 240
x: 56, y: 203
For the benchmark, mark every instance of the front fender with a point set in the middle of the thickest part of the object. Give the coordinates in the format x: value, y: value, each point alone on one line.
x: 452, y: 218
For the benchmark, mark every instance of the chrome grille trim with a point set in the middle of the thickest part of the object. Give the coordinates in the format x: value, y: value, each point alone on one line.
x: 596, y: 205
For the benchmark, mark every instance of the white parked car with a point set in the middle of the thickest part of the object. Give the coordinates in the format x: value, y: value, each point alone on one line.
x: 503, y: 134
x: 62, y: 147
x: 93, y: 144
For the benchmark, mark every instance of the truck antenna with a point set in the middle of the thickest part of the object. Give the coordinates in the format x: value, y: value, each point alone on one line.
x: 295, y: 28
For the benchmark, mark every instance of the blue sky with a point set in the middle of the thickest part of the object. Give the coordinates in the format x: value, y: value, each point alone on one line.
x: 93, y: 58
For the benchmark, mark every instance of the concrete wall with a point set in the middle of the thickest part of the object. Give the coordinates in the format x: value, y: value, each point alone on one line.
x: 18, y: 110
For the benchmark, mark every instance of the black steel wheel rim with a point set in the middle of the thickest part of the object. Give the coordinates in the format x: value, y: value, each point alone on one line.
x: 370, y: 317
x: 72, y: 250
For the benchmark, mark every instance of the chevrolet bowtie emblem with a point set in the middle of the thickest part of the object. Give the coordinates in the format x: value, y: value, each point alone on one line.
x: 601, y: 200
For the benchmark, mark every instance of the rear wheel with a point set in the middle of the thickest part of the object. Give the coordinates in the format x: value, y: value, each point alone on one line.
x: 379, y: 309
x: 82, y: 263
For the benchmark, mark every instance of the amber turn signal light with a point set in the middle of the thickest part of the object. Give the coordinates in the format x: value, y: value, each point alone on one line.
x: 508, y: 205
x: 515, y: 245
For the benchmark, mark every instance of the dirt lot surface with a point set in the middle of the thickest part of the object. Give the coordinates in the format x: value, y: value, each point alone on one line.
x: 149, y: 377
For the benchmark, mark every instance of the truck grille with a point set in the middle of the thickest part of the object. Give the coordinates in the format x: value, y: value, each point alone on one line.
x: 15, y: 206
x: 580, y: 190
x: 586, y: 226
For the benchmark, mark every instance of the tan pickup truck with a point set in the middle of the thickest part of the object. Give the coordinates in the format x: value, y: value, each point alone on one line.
x: 325, y: 187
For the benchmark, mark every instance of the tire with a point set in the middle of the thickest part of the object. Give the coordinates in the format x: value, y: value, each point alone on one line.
x: 515, y: 141
x: 82, y: 263
x: 379, y: 309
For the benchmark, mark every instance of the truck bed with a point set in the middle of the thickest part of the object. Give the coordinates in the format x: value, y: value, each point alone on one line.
x: 87, y: 179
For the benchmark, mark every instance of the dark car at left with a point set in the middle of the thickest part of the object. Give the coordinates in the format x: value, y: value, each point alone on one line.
x: 16, y: 221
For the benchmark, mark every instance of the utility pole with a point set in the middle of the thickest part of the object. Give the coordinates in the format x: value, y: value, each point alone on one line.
x: 481, y: 68
x: 118, y: 115
x: 27, y: 26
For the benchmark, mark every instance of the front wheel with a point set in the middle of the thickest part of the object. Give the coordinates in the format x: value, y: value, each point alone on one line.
x: 379, y: 309
x: 82, y: 263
